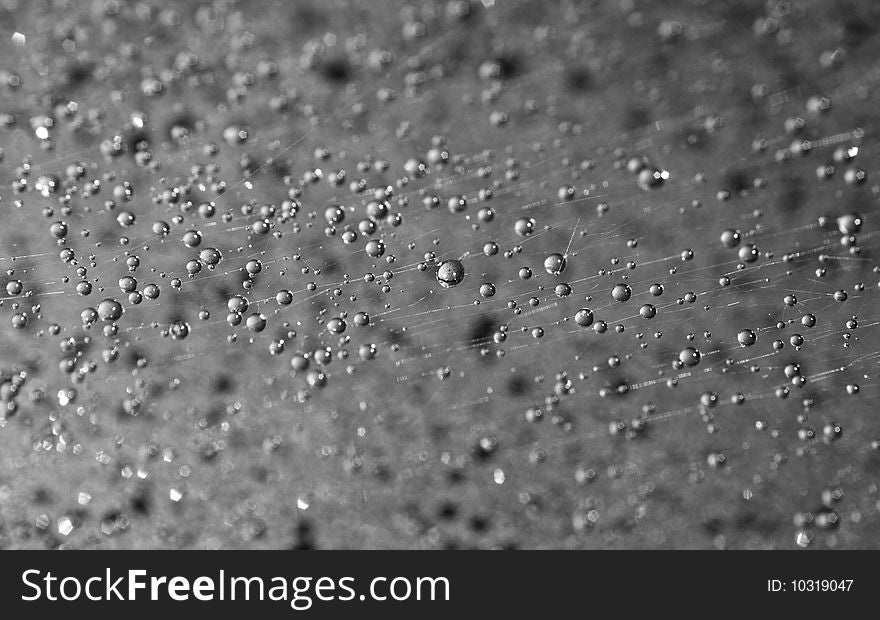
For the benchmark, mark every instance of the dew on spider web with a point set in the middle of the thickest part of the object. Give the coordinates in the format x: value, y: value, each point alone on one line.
x: 235, y: 282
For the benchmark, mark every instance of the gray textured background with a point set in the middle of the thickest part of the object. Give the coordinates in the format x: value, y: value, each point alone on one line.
x: 210, y: 442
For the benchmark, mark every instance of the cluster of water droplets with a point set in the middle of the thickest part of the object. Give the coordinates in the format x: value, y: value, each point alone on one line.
x: 258, y: 256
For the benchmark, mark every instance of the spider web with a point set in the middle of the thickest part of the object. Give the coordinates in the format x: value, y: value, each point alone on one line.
x: 489, y: 412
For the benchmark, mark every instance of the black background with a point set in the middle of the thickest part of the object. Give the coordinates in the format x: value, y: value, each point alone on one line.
x: 518, y: 583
